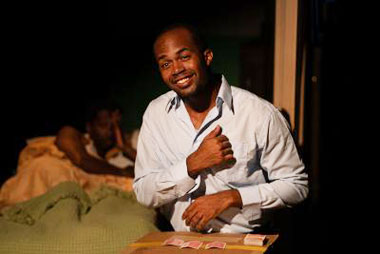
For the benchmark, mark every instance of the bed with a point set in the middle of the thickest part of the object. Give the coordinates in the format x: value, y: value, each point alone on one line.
x: 68, y: 220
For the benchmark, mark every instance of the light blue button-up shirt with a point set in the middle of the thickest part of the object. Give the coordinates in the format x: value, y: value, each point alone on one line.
x: 268, y: 173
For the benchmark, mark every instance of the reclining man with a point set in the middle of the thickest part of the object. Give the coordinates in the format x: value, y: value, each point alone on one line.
x: 100, y: 156
x: 211, y: 156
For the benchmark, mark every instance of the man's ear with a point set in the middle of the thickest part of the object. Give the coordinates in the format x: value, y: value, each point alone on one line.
x: 208, y: 55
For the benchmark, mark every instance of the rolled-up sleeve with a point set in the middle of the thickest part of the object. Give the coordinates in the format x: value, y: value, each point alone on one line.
x: 287, y: 182
x: 157, y: 183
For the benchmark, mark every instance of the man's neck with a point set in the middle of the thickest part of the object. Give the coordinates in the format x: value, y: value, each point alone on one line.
x: 198, y: 106
x: 205, y: 99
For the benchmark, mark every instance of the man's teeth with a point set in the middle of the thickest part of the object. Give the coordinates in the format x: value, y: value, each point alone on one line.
x: 181, y: 81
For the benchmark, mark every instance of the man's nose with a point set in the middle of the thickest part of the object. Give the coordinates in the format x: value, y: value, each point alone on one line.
x: 178, y: 68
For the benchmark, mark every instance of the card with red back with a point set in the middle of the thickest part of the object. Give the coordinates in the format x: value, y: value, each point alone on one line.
x: 192, y: 244
x: 173, y: 242
x: 216, y: 244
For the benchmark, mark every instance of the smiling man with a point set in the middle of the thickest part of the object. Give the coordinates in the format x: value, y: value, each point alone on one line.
x: 211, y: 156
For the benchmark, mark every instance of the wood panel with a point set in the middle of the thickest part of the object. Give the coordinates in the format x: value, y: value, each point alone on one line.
x: 285, y: 56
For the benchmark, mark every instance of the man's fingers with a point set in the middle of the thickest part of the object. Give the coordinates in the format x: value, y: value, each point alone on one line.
x: 215, y: 132
x: 226, y: 144
x: 230, y: 159
x: 222, y: 138
x: 190, y: 217
x: 227, y: 151
x: 195, y: 220
x: 188, y: 211
x: 202, y: 223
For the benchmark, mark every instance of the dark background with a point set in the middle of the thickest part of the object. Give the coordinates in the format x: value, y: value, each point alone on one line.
x: 58, y: 57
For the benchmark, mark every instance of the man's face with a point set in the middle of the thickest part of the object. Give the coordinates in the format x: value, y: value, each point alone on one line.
x: 101, y: 131
x: 182, y: 65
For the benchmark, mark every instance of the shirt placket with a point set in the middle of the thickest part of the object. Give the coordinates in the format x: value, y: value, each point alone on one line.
x: 212, y: 116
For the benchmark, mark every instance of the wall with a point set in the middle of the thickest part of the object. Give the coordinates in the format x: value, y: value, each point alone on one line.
x: 226, y: 26
x: 133, y: 93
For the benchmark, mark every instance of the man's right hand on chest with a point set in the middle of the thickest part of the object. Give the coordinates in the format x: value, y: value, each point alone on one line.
x: 215, y: 150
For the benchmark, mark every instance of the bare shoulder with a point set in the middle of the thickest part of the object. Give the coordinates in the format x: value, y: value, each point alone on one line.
x: 67, y: 129
x: 68, y: 134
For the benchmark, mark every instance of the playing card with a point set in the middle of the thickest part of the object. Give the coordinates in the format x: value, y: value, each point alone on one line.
x: 215, y: 244
x: 192, y: 244
x: 254, y: 239
x: 173, y: 242
x: 255, y: 236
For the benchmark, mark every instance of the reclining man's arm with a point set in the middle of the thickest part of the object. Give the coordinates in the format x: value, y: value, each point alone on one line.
x: 123, y: 144
x: 71, y: 142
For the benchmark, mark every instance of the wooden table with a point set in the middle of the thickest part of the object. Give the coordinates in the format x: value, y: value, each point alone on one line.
x: 152, y: 243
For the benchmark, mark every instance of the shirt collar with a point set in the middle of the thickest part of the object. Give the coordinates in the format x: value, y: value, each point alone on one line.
x: 173, y: 102
x: 224, y: 94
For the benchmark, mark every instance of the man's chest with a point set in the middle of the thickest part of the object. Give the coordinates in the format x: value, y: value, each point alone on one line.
x: 178, y: 139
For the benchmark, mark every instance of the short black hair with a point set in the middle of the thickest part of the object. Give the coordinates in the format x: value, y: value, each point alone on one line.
x: 197, y: 36
x: 93, y: 107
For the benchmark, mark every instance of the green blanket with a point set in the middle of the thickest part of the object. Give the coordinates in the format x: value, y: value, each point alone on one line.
x: 67, y: 220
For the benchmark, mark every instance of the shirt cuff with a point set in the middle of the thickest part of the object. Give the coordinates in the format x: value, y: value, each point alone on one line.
x: 184, y: 183
x: 251, y: 201
x: 179, y: 171
x: 250, y: 195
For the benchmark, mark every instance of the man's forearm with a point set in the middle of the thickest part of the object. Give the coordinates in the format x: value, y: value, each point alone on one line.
x: 192, y: 167
x: 208, y: 207
x: 157, y: 187
x: 93, y: 165
x: 235, y: 199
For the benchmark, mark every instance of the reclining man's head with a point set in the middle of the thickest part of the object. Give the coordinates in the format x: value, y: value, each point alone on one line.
x: 100, y: 125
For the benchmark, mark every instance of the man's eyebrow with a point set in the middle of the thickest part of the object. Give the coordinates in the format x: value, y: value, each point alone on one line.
x: 178, y: 52
x: 183, y: 49
x: 161, y: 57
